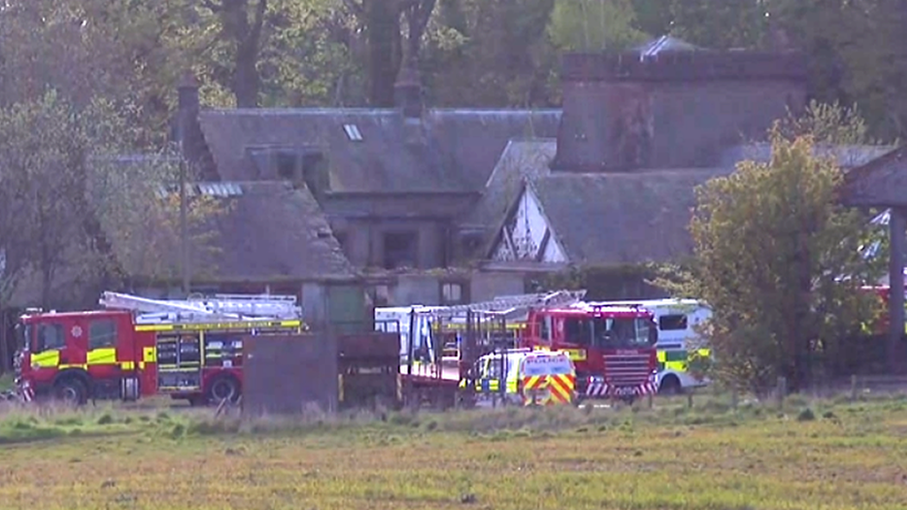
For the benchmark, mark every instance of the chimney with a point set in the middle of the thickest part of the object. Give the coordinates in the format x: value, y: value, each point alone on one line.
x: 188, y: 130
x: 408, y: 91
x: 669, y: 104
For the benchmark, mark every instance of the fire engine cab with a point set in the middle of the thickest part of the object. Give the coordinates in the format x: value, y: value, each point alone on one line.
x: 189, y: 349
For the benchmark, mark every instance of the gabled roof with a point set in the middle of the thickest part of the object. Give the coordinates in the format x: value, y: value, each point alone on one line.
x: 881, y: 182
x: 521, y: 160
x: 622, y: 218
x: 846, y: 156
x: 256, y: 232
x: 376, y: 150
x: 665, y: 44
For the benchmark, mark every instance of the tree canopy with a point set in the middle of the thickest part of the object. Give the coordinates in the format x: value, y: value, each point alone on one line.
x: 778, y: 258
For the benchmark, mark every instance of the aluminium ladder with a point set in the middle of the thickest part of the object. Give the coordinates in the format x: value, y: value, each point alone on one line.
x: 507, y: 305
x: 227, y: 306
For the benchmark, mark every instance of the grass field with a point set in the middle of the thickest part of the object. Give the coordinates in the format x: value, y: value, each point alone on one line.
x: 811, y: 455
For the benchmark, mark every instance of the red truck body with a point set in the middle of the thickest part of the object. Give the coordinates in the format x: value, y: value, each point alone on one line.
x: 106, y: 354
x: 613, y: 348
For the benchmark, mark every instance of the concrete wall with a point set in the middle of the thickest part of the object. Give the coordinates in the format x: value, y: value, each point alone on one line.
x: 478, y: 286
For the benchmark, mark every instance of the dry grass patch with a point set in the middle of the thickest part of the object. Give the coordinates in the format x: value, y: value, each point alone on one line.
x: 844, y: 457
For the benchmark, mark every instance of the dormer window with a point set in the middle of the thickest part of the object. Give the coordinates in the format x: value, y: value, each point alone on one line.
x: 352, y: 132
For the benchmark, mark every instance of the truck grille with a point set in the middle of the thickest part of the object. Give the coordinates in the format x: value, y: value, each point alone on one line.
x: 627, y: 369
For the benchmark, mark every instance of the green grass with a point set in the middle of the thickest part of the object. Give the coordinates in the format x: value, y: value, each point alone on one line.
x: 808, y: 454
x: 6, y: 382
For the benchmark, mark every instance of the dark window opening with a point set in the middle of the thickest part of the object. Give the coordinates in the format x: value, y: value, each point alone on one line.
x: 102, y: 333
x: 50, y: 336
x: 400, y: 250
x: 673, y: 322
x: 452, y: 293
x: 287, y: 165
x: 314, y: 172
x: 342, y: 239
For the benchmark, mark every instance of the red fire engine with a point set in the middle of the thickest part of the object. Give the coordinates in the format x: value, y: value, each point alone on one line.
x: 138, y: 347
x: 880, y: 326
x: 613, y: 348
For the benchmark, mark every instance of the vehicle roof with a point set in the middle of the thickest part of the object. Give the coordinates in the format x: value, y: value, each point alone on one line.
x: 585, y: 309
x: 30, y: 317
x: 649, y: 302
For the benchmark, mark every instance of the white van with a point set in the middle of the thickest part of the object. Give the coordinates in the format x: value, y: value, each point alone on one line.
x: 677, y: 338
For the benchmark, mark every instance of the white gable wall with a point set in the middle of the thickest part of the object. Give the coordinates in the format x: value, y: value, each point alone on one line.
x: 527, y: 235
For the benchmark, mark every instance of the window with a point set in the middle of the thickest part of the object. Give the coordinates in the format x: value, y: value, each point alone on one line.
x: 400, y: 250
x: 545, y: 328
x: 673, y: 322
x: 352, y: 132
x: 102, y: 333
x: 608, y: 332
x: 578, y: 331
x: 382, y: 295
x: 287, y: 165
x: 451, y: 293
x: 50, y: 336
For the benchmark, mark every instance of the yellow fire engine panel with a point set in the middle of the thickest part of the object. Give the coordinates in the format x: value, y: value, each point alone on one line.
x: 220, y: 325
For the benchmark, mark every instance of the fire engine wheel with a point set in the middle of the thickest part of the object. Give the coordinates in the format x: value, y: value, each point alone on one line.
x: 225, y: 387
x: 71, y: 390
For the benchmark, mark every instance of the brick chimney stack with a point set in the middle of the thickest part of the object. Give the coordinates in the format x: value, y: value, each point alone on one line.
x: 669, y: 104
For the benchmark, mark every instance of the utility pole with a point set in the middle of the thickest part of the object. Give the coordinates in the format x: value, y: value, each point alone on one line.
x: 184, y: 244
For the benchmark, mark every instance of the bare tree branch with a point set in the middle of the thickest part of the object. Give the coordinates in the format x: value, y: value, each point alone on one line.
x: 255, y: 33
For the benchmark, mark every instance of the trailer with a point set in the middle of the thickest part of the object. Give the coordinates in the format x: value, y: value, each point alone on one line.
x: 611, y: 347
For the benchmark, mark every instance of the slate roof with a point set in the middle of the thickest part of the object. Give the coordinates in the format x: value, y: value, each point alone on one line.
x: 622, y: 217
x: 665, y: 44
x: 261, y: 232
x: 881, y: 182
x: 448, y: 151
x: 276, y: 232
x: 847, y: 156
x: 521, y: 160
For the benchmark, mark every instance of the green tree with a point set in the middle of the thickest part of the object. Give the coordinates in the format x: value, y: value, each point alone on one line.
x: 594, y: 25
x: 720, y: 24
x: 490, y: 53
x: 778, y: 260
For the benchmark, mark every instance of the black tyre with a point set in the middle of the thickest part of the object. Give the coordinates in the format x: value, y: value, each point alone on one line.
x: 670, y: 385
x: 224, y: 387
x: 71, y: 390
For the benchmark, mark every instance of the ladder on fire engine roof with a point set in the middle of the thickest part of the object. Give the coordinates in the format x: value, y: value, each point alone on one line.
x: 507, y: 305
x: 233, y: 306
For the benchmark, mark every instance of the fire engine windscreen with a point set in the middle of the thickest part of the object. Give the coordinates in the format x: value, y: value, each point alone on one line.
x: 610, y: 333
